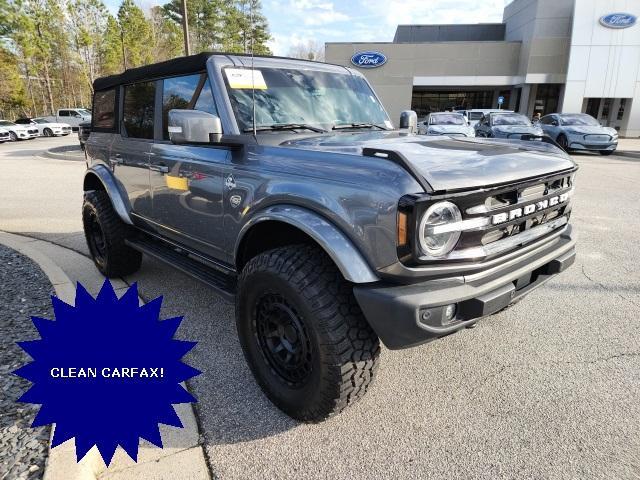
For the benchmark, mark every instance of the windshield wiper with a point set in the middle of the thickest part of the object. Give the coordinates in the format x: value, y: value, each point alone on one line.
x: 285, y: 126
x: 344, y: 126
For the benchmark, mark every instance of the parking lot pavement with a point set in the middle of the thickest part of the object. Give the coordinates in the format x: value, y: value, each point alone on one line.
x: 547, y: 389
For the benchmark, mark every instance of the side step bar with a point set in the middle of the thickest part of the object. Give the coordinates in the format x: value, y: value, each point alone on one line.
x: 223, y: 284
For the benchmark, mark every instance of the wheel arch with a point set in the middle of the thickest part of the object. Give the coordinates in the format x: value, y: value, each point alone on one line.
x: 100, y: 178
x: 286, y: 225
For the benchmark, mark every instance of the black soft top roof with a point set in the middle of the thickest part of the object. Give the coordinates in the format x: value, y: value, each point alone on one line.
x: 175, y: 66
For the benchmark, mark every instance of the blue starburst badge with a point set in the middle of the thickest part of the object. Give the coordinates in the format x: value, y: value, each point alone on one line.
x: 107, y: 371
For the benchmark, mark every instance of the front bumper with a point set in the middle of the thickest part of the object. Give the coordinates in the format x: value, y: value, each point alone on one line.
x: 591, y: 142
x: 408, y: 315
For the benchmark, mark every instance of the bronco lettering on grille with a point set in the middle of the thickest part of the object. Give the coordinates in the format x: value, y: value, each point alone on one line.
x: 529, y: 209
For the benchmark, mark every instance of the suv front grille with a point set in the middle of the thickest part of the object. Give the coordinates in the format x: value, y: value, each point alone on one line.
x: 499, y: 219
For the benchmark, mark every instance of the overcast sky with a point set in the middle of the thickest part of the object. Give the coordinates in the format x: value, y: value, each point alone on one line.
x: 295, y: 21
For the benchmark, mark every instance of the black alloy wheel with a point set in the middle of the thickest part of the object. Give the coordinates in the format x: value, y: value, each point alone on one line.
x: 96, y: 239
x: 283, y: 339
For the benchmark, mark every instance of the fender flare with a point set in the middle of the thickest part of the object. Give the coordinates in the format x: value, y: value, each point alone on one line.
x: 119, y: 201
x: 336, y: 244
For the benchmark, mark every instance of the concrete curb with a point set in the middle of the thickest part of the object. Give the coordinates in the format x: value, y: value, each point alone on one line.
x: 628, y: 154
x: 182, y: 456
x: 64, y: 153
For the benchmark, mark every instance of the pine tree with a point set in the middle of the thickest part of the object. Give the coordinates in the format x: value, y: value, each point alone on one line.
x: 13, y: 98
x: 135, y: 31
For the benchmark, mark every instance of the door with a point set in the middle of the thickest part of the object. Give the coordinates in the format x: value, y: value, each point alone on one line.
x: 550, y: 126
x: 187, y: 180
x: 130, y: 150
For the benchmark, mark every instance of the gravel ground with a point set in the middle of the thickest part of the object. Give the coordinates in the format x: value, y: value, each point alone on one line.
x: 24, y: 291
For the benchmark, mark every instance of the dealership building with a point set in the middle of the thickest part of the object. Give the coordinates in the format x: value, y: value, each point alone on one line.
x: 546, y: 56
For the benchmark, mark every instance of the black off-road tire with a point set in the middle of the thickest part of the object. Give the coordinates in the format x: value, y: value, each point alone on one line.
x: 337, y: 349
x: 106, y: 233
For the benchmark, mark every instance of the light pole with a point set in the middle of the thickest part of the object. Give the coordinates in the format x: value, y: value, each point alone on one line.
x: 185, y: 28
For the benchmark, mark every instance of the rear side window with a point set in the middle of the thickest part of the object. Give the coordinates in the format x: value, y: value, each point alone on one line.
x: 104, y: 107
x: 191, y: 92
x: 63, y: 113
x: 137, y: 115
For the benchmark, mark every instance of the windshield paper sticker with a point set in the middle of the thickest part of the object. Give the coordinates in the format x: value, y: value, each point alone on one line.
x: 107, y: 371
x: 241, y: 78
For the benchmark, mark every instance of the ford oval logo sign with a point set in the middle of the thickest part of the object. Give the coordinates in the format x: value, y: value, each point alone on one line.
x: 369, y: 59
x: 618, y: 20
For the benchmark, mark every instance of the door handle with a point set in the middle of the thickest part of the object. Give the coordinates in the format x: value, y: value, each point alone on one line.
x: 159, y: 168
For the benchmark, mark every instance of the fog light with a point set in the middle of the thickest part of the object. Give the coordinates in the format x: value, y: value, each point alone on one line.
x: 449, y: 312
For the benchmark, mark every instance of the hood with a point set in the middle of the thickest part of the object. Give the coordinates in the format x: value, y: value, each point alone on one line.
x: 591, y: 129
x: 451, y: 128
x: 451, y: 163
x: 517, y: 128
x: 20, y: 128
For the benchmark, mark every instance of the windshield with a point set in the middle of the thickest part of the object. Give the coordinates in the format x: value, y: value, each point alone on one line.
x: 447, y: 119
x: 510, y: 119
x: 40, y: 120
x: 4, y: 123
x: 84, y: 111
x: 283, y: 96
x: 578, y: 120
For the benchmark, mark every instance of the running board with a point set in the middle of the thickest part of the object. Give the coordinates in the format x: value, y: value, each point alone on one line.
x: 223, y: 284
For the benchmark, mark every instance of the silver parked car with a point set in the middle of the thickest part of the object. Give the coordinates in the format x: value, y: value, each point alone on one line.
x: 446, y: 123
x: 476, y: 114
x: 506, y: 125
x: 579, y: 131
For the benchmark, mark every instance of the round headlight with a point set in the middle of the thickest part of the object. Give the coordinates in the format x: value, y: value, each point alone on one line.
x: 435, y: 239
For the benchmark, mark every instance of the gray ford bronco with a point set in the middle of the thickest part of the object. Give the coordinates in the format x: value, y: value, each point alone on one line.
x: 284, y: 186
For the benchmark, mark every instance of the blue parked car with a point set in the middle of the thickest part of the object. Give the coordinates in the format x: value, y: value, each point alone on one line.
x: 446, y: 123
x: 506, y: 125
x: 579, y: 131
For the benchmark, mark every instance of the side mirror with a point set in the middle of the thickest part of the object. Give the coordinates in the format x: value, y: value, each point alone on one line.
x: 554, y: 123
x: 193, y: 126
x: 409, y: 120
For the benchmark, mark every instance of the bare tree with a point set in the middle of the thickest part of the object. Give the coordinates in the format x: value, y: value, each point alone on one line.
x: 308, y: 50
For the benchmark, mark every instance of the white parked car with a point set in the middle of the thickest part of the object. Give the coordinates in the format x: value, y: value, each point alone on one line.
x: 72, y: 116
x: 446, y: 123
x: 45, y: 127
x: 19, y: 132
x: 4, y: 135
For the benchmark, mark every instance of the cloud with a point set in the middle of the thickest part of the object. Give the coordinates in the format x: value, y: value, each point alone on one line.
x: 297, y: 21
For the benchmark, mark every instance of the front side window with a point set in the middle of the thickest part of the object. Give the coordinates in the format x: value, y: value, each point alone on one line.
x: 447, y: 119
x: 510, y: 119
x: 104, y: 107
x: 137, y: 118
x: 288, y: 96
x: 192, y: 92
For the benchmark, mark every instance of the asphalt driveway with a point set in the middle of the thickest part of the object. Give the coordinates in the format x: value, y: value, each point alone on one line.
x: 547, y: 389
